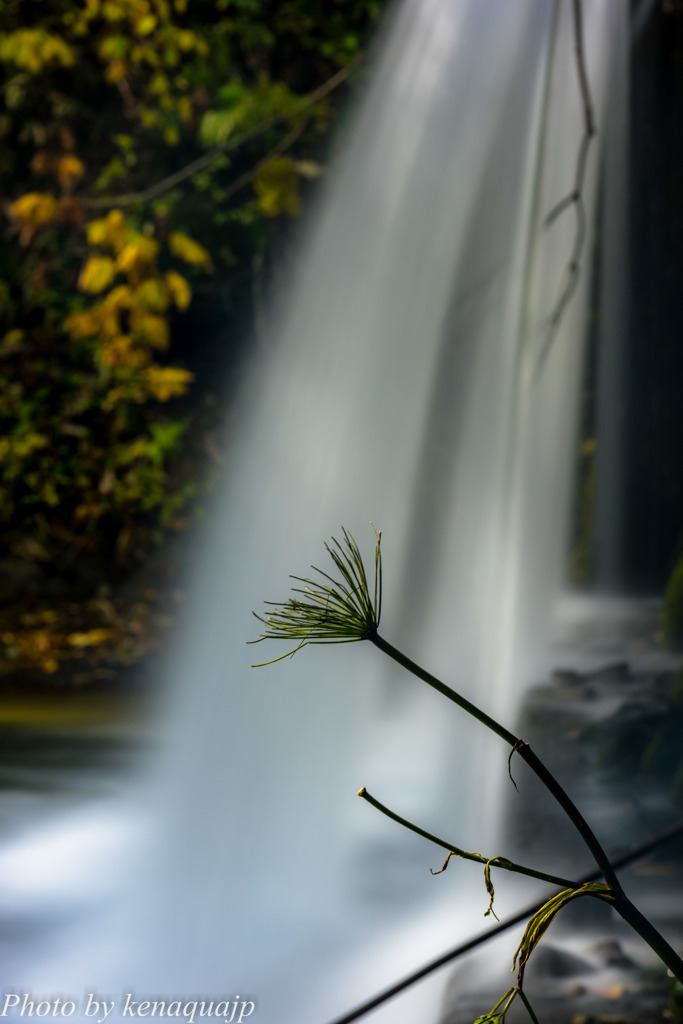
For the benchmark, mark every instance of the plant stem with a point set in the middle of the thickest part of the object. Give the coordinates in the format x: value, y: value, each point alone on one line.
x: 510, y: 996
x: 529, y: 1009
x: 622, y: 904
x: 522, y: 748
x: 649, y: 933
x: 572, y: 811
x: 466, y: 947
x: 495, y: 862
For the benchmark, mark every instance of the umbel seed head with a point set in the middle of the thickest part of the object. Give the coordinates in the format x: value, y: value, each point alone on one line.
x: 331, y: 611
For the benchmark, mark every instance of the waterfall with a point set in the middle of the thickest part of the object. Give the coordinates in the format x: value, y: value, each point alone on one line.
x: 401, y: 386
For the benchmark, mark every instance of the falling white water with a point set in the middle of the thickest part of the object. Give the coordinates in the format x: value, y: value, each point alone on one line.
x: 400, y: 387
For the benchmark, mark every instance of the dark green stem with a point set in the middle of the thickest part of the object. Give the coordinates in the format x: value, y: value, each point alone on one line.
x: 529, y: 1008
x: 622, y: 904
x: 495, y: 862
x: 649, y: 933
x: 510, y: 997
x: 518, y: 745
x: 572, y: 811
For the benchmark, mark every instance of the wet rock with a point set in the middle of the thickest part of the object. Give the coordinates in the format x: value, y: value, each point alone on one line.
x: 615, y: 670
x: 611, y: 954
x: 575, y: 991
x: 554, y: 962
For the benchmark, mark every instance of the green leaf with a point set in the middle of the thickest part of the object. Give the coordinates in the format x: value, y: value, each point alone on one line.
x: 331, y: 611
x: 277, y: 187
x: 216, y: 127
x: 543, y: 918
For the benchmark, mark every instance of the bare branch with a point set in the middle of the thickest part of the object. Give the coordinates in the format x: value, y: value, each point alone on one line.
x: 575, y: 197
x: 204, y: 161
x: 282, y: 146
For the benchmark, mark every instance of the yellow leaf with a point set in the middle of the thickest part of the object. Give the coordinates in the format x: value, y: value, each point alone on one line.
x: 96, y: 232
x: 118, y: 298
x: 97, y: 274
x: 145, y: 25
x: 152, y: 296
x: 114, y: 351
x: 276, y: 185
x: 152, y: 330
x: 188, y: 40
x: 137, y: 253
x: 159, y: 84
x: 29, y: 443
x: 47, y: 616
x: 167, y: 382
x: 179, y: 288
x: 148, y: 118
x: 34, y: 208
x: 88, y: 511
x: 49, y: 494
x: 113, y: 47
x: 171, y: 134
x: 110, y: 323
x: 33, y: 48
x: 184, y: 107
x: 114, y: 11
x: 54, y: 48
x: 120, y: 353
x: 115, y: 71
x: 188, y: 250
x: 50, y: 665
x: 82, y: 325
x: 69, y: 170
x: 117, y: 230
x: 13, y: 338
x: 128, y: 393
x: 90, y: 639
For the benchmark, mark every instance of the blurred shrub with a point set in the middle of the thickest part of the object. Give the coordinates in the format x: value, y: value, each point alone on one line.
x: 149, y: 151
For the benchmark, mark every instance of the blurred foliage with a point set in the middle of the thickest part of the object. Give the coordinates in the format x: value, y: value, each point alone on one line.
x: 83, y: 640
x: 149, y: 152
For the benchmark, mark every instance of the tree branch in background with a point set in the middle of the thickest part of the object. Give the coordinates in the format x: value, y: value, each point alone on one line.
x: 204, y: 161
x: 282, y: 147
x: 575, y: 197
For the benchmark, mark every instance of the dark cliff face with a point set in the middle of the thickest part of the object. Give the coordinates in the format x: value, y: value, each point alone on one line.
x: 653, y: 496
